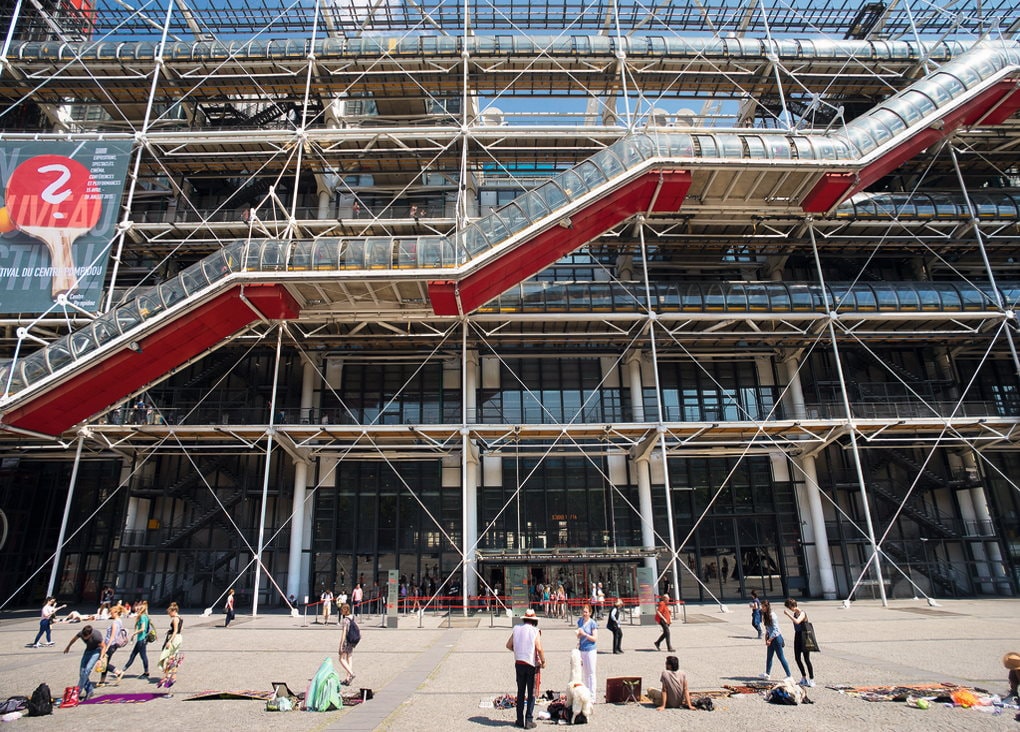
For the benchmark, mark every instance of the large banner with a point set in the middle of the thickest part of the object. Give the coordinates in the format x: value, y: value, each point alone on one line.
x: 60, y: 203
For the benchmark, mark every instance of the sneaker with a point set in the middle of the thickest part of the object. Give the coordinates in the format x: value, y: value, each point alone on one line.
x: 811, y: 682
x: 48, y: 644
x: 803, y: 681
x: 764, y: 676
x: 144, y: 675
x: 788, y: 680
x: 32, y: 645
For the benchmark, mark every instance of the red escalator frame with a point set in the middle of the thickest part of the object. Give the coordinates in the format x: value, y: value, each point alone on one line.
x: 656, y: 191
x: 992, y: 107
x: 109, y: 379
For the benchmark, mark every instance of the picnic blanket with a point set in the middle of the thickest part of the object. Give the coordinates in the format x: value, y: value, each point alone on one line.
x: 123, y: 698
x: 938, y: 692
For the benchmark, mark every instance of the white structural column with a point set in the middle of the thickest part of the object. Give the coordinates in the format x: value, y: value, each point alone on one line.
x: 642, y: 466
x: 470, y: 473
x: 297, y: 524
x: 295, y: 580
x: 633, y: 361
x: 976, y: 519
x: 822, y: 573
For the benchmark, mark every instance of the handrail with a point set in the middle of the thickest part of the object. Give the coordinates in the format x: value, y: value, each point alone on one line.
x: 431, y: 47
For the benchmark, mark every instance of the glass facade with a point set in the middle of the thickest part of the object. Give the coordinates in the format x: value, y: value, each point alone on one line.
x: 503, y: 315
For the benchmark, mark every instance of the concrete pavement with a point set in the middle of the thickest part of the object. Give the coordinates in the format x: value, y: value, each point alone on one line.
x: 438, y: 675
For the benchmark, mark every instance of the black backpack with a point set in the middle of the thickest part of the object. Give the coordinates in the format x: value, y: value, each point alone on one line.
x: 353, y: 633
x: 41, y: 702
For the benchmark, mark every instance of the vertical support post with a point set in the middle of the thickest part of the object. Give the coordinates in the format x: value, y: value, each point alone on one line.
x: 661, y: 429
x: 297, y: 512
x: 270, y: 432
x: 469, y: 471
x: 813, y: 492
x: 851, y: 423
x: 67, y: 513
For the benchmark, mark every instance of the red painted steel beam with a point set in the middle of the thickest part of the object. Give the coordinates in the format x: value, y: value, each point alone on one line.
x: 111, y: 378
x: 658, y: 191
x: 993, y: 106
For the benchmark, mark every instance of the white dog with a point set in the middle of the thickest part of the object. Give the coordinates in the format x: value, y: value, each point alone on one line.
x: 579, y: 696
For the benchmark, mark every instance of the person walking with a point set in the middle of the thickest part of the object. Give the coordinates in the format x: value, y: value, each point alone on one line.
x: 773, y: 640
x: 228, y: 607
x: 755, y: 606
x: 327, y: 605
x: 613, y: 624
x: 664, y: 617
x: 587, y: 637
x: 170, y: 658
x: 800, y: 654
x: 94, y: 647
x: 357, y: 594
x: 347, y: 643
x: 143, y: 624
x: 116, y: 638
x: 529, y: 657
x: 674, y: 693
x: 49, y: 610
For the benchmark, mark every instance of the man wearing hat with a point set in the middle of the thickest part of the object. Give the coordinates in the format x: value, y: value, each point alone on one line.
x: 529, y: 656
x: 1012, y: 662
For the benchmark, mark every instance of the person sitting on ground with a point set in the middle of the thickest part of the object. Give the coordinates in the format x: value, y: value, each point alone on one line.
x: 1012, y: 662
x: 674, y: 693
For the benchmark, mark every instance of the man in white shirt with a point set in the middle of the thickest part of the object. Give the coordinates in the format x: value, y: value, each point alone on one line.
x: 529, y: 656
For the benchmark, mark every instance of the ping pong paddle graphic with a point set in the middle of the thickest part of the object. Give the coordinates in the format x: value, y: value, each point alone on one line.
x: 54, y: 199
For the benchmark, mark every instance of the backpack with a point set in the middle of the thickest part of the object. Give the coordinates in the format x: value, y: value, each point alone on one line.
x: 41, y: 702
x: 786, y: 693
x: 353, y: 633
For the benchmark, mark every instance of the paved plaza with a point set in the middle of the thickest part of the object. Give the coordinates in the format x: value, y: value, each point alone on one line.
x: 438, y: 676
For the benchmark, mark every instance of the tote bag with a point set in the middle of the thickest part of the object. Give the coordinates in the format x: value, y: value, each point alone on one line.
x: 810, y: 639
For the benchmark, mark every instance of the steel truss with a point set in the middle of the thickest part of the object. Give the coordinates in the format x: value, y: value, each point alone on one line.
x: 328, y: 123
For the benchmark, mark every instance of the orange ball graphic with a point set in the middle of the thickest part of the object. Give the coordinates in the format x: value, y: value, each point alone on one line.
x: 5, y: 221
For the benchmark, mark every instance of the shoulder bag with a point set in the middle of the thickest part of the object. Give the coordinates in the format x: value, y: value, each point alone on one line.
x: 810, y: 639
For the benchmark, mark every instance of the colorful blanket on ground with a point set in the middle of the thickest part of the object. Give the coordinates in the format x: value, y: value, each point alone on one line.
x: 122, y: 698
x: 748, y: 687
x: 899, y: 692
